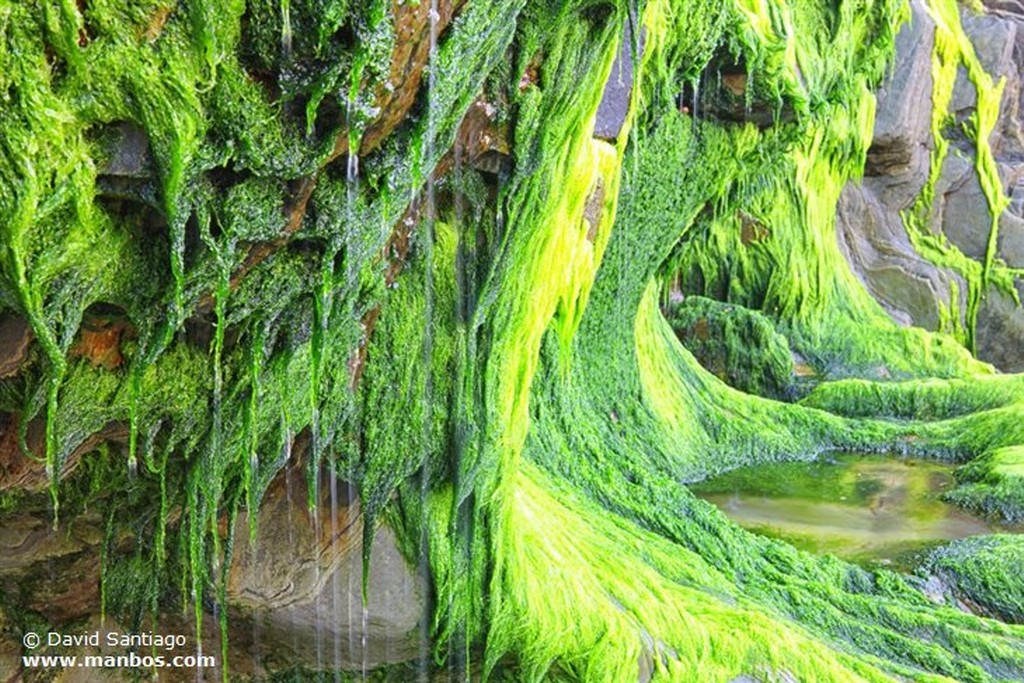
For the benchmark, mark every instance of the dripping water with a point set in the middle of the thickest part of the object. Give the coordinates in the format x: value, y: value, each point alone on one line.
x: 318, y: 615
x: 258, y: 352
x: 351, y: 243
x: 428, y: 332
x: 322, y: 315
x: 364, y: 616
x: 335, y: 584
x: 286, y: 458
x: 286, y: 30
x: 696, y: 99
x: 748, y: 95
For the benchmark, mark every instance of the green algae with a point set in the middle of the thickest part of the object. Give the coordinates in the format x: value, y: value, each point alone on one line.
x: 991, y: 484
x: 223, y: 153
x: 984, y: 572
x: 742, y: 346
x: 526, y: 414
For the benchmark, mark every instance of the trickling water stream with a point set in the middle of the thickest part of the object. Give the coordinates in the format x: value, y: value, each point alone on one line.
x: 869, y: 509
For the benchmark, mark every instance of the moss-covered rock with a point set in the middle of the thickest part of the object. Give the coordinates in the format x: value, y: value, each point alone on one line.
x: 984, y: 573
x: 993, y: 485
x: 737, y: 345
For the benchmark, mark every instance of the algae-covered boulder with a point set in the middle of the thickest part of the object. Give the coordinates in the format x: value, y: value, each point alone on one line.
x: 993, y: 485
x: 736, y: 344
x: 985, y: 573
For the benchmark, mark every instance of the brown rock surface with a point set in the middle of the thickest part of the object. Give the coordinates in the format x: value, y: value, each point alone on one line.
x: 15, y: 338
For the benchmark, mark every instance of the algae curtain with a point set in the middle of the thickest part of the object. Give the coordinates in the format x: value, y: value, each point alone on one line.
x: 437, y: 272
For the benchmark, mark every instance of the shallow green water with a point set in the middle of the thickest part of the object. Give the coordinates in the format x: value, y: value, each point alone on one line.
x: 864, y: 508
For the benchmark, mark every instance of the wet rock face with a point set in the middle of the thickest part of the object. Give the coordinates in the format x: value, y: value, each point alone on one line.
x: 614, y: 107
x: 295, y: 596
x: 870, y: 228
x: 300, y: 586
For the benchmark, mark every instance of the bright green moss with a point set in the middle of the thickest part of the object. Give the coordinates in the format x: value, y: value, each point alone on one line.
x: 917, y: 400
x: 227, y: 392
x: 993, y: 484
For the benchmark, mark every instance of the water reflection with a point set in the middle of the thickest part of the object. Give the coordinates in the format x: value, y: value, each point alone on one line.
x: 867, y: 509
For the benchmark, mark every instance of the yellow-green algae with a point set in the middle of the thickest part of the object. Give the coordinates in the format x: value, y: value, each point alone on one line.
x: 526, y: 417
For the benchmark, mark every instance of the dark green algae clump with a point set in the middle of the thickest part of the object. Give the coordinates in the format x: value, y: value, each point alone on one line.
x: 985, y: 573
x: 299, y: 258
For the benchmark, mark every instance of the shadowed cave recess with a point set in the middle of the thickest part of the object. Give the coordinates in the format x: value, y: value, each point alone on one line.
x: 380, y: 340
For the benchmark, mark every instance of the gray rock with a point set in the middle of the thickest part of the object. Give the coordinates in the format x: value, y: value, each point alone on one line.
x: 1011, y: 240
x: 966, y: 219
x: 128, y: 154
x: 902, y: 138
x: 614, y: 106
x: 875, y: 242
x: 1011, y: 130
x: 869, y: 222
x: 1006, y: 8
x: 957, y: 170
x: 935, y: 589
x: 1016, y: 194
x: 1001, y: 330
x: 994, y: 39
